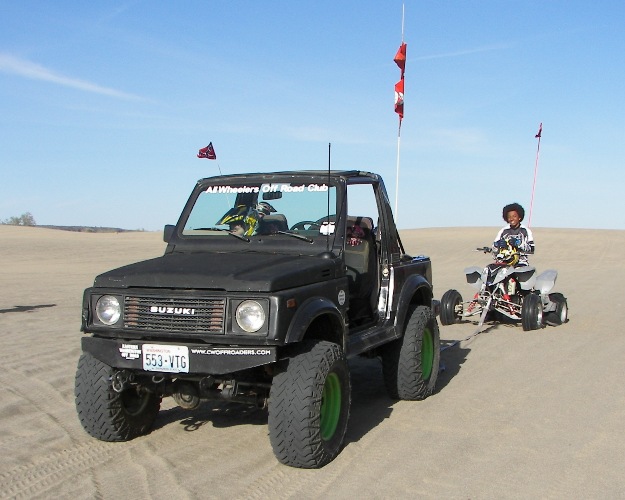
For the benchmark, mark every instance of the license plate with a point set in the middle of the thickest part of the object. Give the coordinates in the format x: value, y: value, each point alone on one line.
x: 165, y: 358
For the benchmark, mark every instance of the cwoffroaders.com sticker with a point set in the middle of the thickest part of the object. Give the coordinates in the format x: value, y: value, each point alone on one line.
x: 231, y: 352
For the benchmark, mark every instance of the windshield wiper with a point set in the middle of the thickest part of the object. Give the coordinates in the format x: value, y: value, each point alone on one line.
x: 295, y: 235
x: 240, y: 236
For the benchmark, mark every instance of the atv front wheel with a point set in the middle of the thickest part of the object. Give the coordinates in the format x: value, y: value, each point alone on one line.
x: 532, y: 312
x: 451, y: 307
x: 410, y: 364
x: 106, y: 414
x: 309, y: 405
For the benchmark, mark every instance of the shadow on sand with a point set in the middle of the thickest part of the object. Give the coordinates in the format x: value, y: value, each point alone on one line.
x: 27, y: 309
x: 370, y: 406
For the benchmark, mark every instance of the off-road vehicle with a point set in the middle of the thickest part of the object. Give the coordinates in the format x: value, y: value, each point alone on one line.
x: 268, y: 285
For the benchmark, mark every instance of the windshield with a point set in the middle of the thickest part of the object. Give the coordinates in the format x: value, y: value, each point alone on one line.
x: 250, y: 209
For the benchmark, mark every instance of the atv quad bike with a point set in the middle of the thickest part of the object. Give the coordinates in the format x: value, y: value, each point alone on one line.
x: 507, y: 292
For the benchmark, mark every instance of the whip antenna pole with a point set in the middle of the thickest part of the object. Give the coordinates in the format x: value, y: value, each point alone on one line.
x: 329, y: 179
x: 403, y: 12
x: 397, y: 172
x: 400, y: 60
x: 538, y: 136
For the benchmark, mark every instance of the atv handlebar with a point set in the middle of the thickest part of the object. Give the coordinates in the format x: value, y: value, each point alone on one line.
x: 490, y: 250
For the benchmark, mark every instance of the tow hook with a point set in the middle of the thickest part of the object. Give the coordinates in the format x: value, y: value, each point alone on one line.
x: 121, y: 379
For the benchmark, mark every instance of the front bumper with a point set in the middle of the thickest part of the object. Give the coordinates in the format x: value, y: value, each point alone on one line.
x: 199, y: 359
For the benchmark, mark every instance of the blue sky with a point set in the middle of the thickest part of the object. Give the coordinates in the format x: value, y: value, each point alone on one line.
x: 104, y: 105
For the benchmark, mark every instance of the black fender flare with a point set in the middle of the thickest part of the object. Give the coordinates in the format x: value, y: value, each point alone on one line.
x: 415, y: 285
x: 310, y: 310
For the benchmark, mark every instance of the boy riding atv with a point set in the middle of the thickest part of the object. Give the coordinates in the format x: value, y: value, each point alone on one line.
x: 518, y: 235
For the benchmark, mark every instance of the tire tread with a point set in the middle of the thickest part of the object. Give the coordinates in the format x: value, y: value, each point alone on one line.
x: 101, y: 410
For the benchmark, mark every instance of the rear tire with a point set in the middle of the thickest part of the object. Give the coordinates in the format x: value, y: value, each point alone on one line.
x: 410, y: 364
x: 450, y: 302
x: 309, y: 405
x: 532, y: 312
x: 106, y: 414
x: 561, y: 313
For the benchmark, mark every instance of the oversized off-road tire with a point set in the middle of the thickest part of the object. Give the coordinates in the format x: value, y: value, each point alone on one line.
x: 309, y: 405
x: 450, y: 307
x: 561, y: 313
x: 410, y: 363
x: 532, y: 312
x: 106, y: 414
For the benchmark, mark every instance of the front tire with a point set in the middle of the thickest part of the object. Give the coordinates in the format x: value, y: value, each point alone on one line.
x: 532, y: 312
x: 309, y: 404
x: 410, y: 364
x: 451, y: 307
x: 106, y: 414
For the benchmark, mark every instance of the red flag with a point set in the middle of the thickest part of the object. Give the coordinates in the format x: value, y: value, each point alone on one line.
x: 207, y: 152
x: 400, y: 58
x: 399, y: 98
x: 540, y: 131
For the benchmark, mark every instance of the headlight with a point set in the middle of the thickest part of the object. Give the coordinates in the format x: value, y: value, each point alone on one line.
x: 250, y: 316
x: 108, y: 310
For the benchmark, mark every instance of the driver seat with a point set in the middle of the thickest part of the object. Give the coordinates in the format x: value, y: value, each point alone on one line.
x: 361, y: 262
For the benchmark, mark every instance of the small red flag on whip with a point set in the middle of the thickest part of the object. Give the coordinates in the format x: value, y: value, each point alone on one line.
x: 400, y: 58
x: 207, y: 152
x: 399, y: 98
x: 540, y: 131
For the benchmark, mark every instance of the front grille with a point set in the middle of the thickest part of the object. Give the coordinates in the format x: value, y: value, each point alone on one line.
x: 197, y: 315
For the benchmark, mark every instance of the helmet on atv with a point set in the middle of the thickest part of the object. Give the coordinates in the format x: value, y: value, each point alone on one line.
x: 264, y: 208
x: 507, y: 252
x: 242, y: 216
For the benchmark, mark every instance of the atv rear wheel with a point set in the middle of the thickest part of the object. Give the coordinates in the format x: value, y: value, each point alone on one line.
x: 410, y: 364
x: 309, y: 405
x: 106, y: 414
x: 561, y: 313
x: 532, y: 312
x: 451, y: 307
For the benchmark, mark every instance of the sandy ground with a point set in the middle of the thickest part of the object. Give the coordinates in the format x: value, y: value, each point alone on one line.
x: 516, y: 414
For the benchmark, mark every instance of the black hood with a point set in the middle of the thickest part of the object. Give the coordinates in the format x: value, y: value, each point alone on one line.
x: 234, y: 272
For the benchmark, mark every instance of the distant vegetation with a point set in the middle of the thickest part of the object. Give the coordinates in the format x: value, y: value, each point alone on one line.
x: 93, y: 229
x: 27, y: 219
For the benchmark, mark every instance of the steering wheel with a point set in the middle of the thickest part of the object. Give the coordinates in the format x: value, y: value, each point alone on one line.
x: 306, y: 225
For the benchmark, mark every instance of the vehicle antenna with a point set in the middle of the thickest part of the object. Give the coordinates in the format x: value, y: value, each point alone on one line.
x: 328, y: 214
x: 537, y: 136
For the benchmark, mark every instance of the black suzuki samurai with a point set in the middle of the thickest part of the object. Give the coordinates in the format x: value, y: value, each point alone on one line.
x: 269, y: 283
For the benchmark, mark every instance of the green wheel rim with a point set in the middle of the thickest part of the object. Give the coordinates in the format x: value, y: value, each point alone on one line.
x: 330, y: 406
x: 427, y: 354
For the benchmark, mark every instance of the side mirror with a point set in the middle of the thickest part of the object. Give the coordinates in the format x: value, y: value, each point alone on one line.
x: 168, y: 232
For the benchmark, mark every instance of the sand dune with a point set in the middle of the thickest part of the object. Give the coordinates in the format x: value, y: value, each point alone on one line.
x: 516, y: 414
